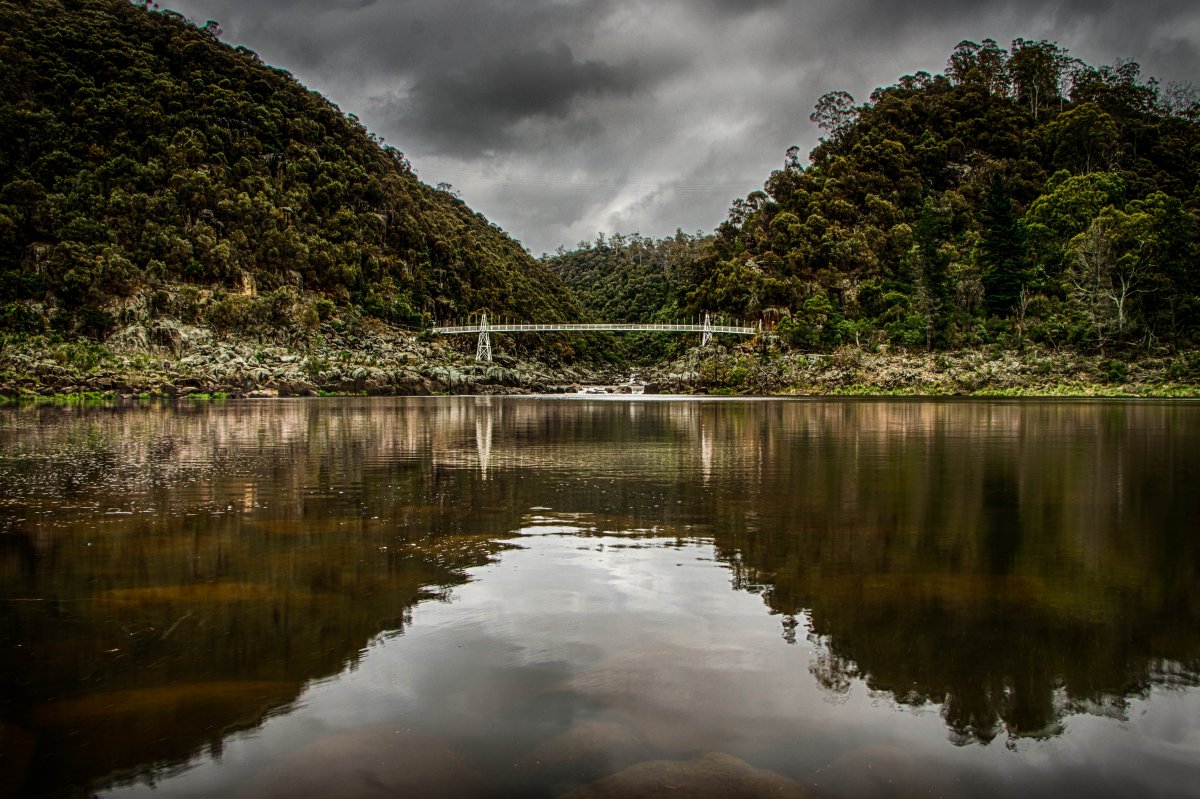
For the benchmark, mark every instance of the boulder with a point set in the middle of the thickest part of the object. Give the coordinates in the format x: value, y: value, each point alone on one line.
x: 715, y: 775
x: 584, y: 753
x: 365, y: 764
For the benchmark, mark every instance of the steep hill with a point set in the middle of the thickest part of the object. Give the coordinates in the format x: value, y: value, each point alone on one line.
x: 138, y: 153
x: 1021, y: 196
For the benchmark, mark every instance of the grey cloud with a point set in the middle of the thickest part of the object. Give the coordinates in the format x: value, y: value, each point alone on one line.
x: 734, y: 8
x: 465, y: 110
x: 561, y: 118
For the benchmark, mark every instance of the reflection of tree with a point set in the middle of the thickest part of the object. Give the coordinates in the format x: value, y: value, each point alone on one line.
x: 1013, y: 563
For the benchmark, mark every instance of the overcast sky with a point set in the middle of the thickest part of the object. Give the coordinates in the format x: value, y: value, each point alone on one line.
x: 559, y: 119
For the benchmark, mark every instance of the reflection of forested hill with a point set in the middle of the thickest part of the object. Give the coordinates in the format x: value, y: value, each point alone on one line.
x: 1016, y: 562
x: 191, y: 570
x: 171, y: 576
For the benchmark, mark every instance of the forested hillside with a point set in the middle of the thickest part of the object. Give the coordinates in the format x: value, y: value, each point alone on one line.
x: 1022, y: 196
x: 631, y: 278
x: 139, y: 153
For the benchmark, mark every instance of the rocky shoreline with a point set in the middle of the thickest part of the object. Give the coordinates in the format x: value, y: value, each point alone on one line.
x: 173, y: 360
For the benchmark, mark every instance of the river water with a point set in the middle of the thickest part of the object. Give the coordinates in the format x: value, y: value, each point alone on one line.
x: 454, y: 596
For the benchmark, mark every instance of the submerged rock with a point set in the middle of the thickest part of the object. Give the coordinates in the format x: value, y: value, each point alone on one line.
x: 716, y: 775
x: 586, y: 752
x: 365, y: 764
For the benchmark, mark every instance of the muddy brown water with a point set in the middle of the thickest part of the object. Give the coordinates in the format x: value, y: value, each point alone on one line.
x: 595, y: 597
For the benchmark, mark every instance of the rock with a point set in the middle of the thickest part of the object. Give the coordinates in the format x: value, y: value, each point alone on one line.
x: 298, y: 388
x: 168, y: 390
x: 262, y: 393
x: 586, y: 752
x: 365, y: 764
x: 716, y: 775
x: 652, y: 388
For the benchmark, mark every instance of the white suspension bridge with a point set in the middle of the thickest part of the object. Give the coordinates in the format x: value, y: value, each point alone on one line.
x: 483, y: 329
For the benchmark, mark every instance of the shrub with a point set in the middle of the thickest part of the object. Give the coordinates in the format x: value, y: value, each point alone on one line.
x: 324, y: 308
x: 1115, y: 371
x: 20, y: 318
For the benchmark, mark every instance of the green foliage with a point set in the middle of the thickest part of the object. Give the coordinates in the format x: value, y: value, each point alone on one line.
x: 1001, y: 252
x: 280, y: 311
x: 137, y: 150
x: 1115, y: 371
x: 943, y: 212
x: 630, y: 279
x: 325, y: 308
x: 20, y: 318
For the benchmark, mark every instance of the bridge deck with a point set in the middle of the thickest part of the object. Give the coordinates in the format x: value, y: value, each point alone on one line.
x: 594, y: 327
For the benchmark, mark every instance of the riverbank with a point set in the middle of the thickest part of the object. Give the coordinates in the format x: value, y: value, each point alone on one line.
x: 174, y: 360
x: 984, y: 371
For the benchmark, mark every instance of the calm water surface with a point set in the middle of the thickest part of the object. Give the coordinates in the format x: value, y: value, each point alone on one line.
x: 526, y: 597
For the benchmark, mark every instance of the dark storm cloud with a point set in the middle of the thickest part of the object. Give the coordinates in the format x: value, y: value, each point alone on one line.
x: 477, y: 108
x: 561, y: 118
x: 741, y: 7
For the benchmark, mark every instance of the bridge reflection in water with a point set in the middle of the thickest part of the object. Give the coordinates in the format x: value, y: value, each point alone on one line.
x: 483, y: 350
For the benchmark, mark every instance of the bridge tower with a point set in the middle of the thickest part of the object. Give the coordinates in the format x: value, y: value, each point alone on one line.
x: 483, y: 350
x: 706, y: 333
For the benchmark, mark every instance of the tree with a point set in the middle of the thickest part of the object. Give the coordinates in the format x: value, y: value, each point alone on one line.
x: 963, y: 61
x: 1001, y: 252
x: 1165, y: 237
x: 984, y: 65
x: 993, y: 67
x: 834, y: 113
x: 1067, y: 207
x: 1084, y: 137
x: 1105, y: 275
x: 1037, y: 70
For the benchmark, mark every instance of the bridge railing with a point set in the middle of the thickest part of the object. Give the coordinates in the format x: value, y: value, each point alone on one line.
x: 483, y: 349
x: 593, y: 327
